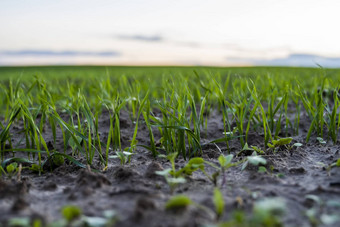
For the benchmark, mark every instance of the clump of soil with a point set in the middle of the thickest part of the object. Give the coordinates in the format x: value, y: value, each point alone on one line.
x: 86, y: 178
x: 151, y: 171
x: 123, y: 173
x: 13, y: 188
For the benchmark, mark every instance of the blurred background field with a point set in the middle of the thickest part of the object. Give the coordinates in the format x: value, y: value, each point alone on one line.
x: 84, y: 72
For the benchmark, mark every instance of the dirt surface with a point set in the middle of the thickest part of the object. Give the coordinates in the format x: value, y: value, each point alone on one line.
x: 138, y: 195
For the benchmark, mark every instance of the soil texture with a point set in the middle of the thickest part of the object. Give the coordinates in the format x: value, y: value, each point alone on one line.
x: 137, y: 195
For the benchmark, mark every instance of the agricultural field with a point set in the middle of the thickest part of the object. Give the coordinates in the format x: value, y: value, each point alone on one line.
x: 169, y: 146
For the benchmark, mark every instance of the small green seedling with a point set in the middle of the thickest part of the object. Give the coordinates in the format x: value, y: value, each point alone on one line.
x: 317, y: 215
x: 255, y: 160
x: 71, y: 213
x: 58, y: 160
x: 225, y: 161
x: 35, y: 168
x: 263, y: 169
x: 321, y: 140
x: 283, y: 143
x: 280, y: 142
x: 196, y: 164
x: 12, y: 169
x: 173, y: 182
x: 172, y: 177
x: 175, y: 177
x: 267, y: 212
x: 336, y: 164
x: 178, y: 202
x: 218, y: 202
x: 123, y: 156
x: 72, y: 216
x: 329, y: 167
x: 312, y: 213
x: 257, y: 149
x: 109, y: 219
x: 19, y: 221
x: 37, y: 223
x: 74, y: 142
x: 224, y: 164
x: 246, y: 149
x: 193, y: 165
x: 297, y: 144
x: 170, y: 157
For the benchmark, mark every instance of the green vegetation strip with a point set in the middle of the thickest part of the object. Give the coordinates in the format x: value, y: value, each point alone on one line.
x: 176, y: 102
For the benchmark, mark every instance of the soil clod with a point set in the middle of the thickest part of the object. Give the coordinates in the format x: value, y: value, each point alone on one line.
x: 95, y: 180
x: 19, y: 204
x: 297, y: 170
x: 122, y: 173
x: 151, y: 170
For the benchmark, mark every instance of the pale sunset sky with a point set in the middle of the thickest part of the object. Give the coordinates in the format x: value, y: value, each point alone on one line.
x: 159, y: 32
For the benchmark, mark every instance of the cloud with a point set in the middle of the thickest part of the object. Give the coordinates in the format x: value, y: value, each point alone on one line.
x: 188, y: 44
x: 67, y: 53
x: 158, y: 39
x: 297, y: 59
x: 143, y: 38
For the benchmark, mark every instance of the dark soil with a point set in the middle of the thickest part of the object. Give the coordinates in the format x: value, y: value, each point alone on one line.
x: 138, y: 195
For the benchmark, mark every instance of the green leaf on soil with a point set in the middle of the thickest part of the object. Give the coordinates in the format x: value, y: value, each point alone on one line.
x: 225, y: 160
x: 246, y: 147
x: 71, y: 159
x: 11, y: 167
x: 178, y: 180
x: 338, y: 163
x: 262, y: 169
x: 257, y: 149
x: 71, y: 212
x: 163, y: 172
x: 321, y: 140
x: 95, y: 221
x: 58, y: 160
x: 18, y: 160
x: 256, y: 160
x: 280, y: 142
x: 35, y: 168
x: 178, y: 202
x: 270, y: 206
x: 329, y: 219
x: 19, y: 221
x: 314, y: 198
x: 218, y: 202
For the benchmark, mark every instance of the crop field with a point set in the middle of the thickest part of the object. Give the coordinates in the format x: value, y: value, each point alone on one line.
x: 169, y: 146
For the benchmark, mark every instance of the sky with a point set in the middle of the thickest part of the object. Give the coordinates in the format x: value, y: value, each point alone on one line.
x: 159, y: 32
